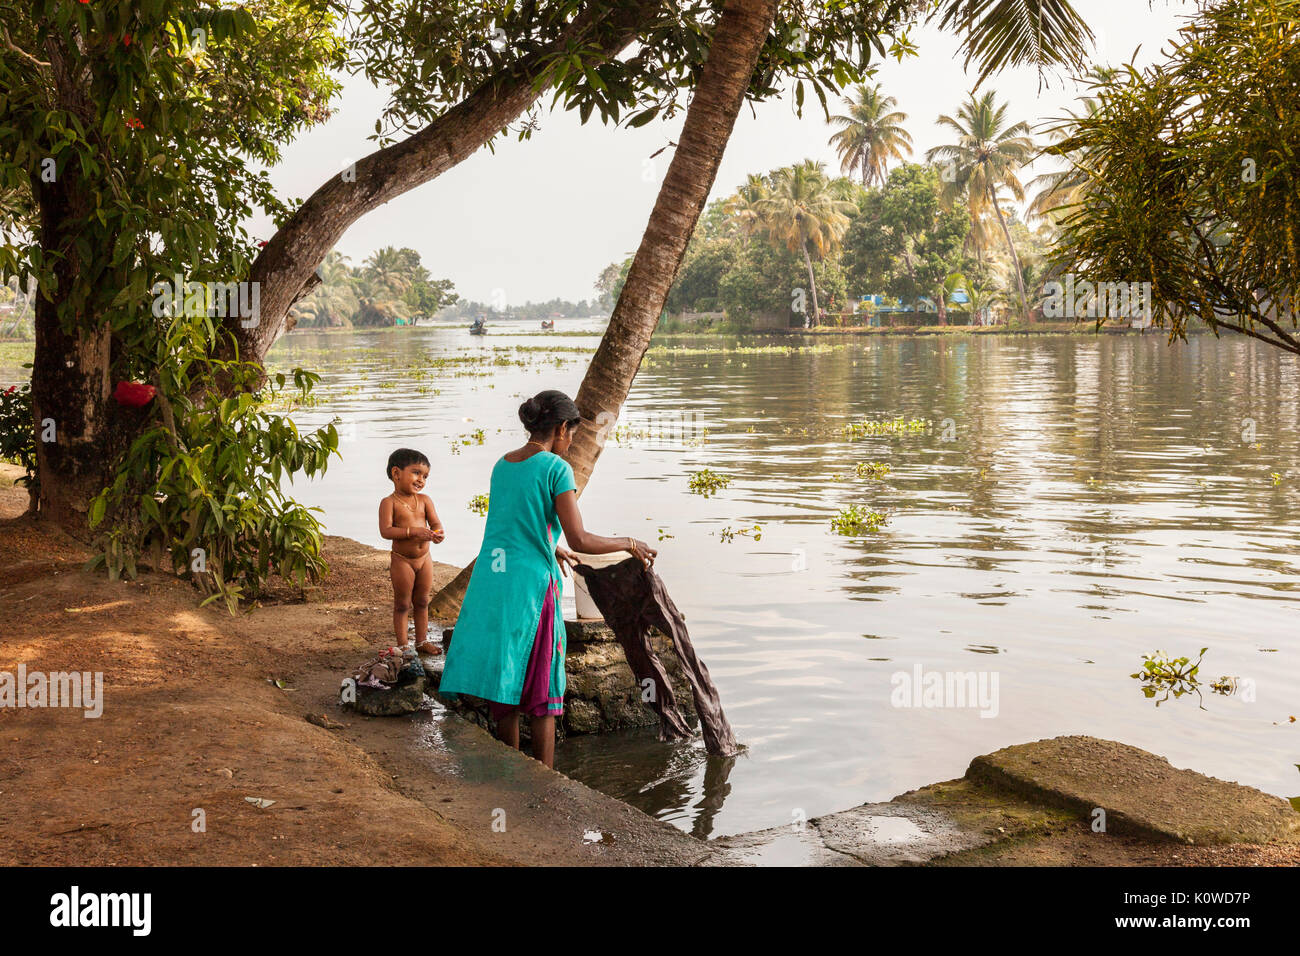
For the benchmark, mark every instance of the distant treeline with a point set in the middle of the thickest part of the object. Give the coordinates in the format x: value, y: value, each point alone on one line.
x: 552, y: 308
x: 390, y: 286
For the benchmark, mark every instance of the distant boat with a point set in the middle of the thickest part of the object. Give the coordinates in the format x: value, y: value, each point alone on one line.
x: 479, y: 327
x: 548, y: 325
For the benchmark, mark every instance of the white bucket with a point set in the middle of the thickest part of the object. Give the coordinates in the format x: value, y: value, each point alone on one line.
x: 582, y: 602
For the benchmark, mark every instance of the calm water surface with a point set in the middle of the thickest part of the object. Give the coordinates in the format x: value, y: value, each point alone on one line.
x: 1076, y: 502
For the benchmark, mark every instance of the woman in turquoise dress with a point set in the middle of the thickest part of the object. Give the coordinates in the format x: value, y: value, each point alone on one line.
x: 508, y: 644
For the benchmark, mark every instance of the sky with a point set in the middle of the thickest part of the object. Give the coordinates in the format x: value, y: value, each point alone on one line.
x: 539, y: 219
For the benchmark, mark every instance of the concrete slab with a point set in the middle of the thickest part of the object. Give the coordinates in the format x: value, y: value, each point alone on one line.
x: 1140, y: 792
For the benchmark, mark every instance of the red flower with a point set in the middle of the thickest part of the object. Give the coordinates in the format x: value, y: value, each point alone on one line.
x: 135, y: 123
x: 126, y: 40
x: 261, y: 243
x: 134, y: 394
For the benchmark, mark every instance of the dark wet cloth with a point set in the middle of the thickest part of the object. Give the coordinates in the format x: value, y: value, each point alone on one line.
x: 632, y: 598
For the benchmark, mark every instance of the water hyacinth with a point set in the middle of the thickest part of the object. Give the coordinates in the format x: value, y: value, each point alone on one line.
x: 857, y: 520
x: 897, y: 426
x: 708, y: 483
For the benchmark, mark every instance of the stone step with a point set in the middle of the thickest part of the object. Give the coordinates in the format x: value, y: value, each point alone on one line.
x: 1140, y: 793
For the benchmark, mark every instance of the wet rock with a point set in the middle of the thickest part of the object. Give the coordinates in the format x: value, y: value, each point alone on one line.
x: 602, y: 693
x: 588, y: 632
x: 405, y: 697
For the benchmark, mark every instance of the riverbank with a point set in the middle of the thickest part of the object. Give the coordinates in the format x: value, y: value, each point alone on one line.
x: 204, y: 713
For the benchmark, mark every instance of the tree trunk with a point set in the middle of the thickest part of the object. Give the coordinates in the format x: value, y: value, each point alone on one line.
x: 70, y: 372
x: 70, y: 402
x: 741, y: 31
x: 812, y: 287
x: 1015, y: 259
x: 285, y: 268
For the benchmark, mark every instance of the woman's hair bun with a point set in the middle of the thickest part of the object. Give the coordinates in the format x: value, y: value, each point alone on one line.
x: 545, y: 410
x: 529, y: 413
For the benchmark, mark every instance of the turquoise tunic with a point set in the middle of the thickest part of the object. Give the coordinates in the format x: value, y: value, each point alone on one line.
x: 516, y: 566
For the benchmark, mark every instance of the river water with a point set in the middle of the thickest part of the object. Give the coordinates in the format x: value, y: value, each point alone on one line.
x: 1065, y: 505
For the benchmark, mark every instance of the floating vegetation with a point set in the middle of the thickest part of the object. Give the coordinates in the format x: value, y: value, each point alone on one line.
x: 1174, y: 676
x: 479, y: 504
x: 896, y: 426
x: 857, y: 520
x: 685, y: 350
x: 708, y: 483
x: 756, y: 532
x: 663, y: 534
x: 1277, y: 478
x: 871, y: 469
x: 1227, y: 686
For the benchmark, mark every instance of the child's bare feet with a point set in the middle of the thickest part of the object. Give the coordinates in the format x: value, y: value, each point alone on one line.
x: 428, y: 647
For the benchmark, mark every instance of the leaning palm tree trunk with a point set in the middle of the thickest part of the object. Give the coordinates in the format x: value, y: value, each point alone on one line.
x: 1015, y: 259
x: 812, y: 287
x: 737, y: 42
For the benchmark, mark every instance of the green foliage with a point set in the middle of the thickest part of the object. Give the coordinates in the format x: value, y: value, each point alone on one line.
x: 907, y: 241
x: 871, y: 469
x: 856, y: 520
x: 391, y: 284
x: 727, y: 534
x: 17, y: 430
x: 1190, y: 175
x: 201, y: 482
x: 479, y: 505
x: 1174, y: 676
x: 431, y: 56
x: 896, y: 426
x: 870, y: 134
x: 147, y: 162
x: 707, y: 483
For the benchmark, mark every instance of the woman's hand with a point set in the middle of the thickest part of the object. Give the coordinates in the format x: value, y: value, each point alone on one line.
x: 643, y: 551
x: 565, y: 557
x: 436, y: 535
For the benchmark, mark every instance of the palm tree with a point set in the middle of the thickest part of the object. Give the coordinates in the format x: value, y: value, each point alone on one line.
x: 979, y: 299
x: 987, y: 157
x: 1057, y: 191
x: 871, y: 134
x: 805, y: 213
x: 334, y: 301
x: 385, y: 276
x: 744, y: 213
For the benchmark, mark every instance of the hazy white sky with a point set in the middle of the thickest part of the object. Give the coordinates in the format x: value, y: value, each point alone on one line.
x: 539, y: 219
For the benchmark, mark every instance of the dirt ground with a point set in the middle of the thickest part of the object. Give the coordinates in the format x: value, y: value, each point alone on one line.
x: 194, y: 724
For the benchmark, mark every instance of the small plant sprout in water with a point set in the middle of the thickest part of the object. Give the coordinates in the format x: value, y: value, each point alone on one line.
x: 663, y: 534
x: 1174, y: 676
x: 479, y: 505
x: 726, y: 534
x: 1227, y: 686
x: 857, y: 520
x: 1277, y: 478
x: 872, y: 469
x: 708, y: 483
